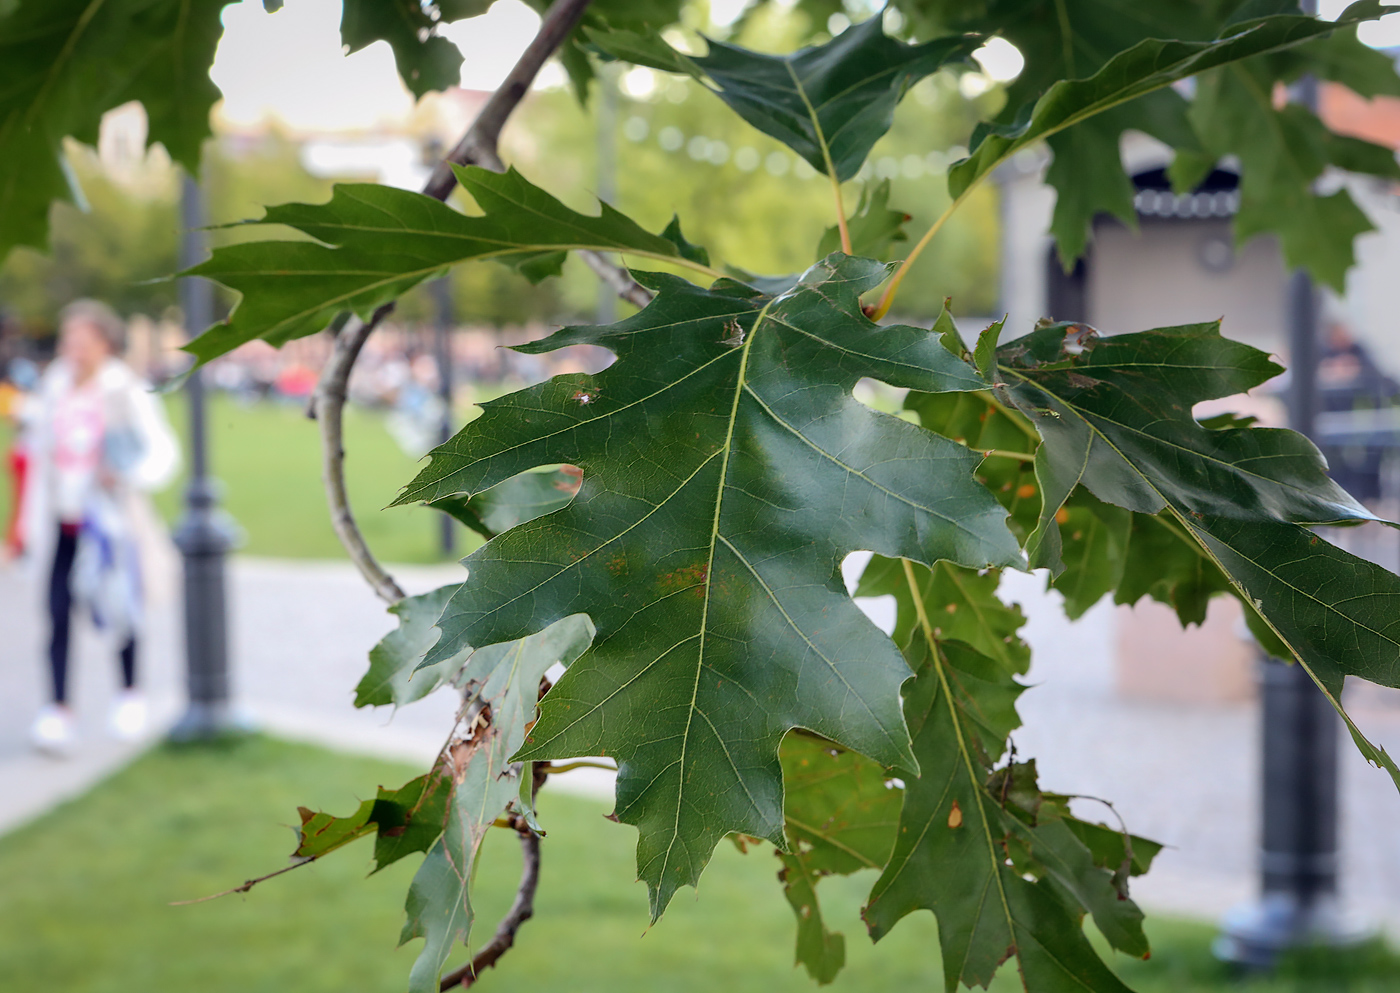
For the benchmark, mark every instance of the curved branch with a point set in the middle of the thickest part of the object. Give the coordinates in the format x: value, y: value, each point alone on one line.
x: 520, y: 911
x: 331, y: 393
x: 477, y: 147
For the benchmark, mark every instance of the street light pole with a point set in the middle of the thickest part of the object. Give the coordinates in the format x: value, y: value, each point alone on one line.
x: 203, y: 534
x: 442, y: 295
x: 1298, y: 902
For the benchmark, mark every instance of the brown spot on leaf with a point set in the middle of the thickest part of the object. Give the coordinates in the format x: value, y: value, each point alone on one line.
x: 1062, y: 516
x: 573, y: 480
x: 1025, y: 491
x: 955, y: 816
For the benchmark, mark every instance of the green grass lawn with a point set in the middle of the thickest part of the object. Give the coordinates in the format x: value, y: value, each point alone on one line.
x: 268, y: 458
x: 85, y: 892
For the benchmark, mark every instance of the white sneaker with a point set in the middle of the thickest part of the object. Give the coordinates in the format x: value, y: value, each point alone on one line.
x: 53, y: 731
x: 128, y: 719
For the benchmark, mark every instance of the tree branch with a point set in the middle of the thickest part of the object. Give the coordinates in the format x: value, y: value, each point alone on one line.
x: 477, y: 147
x: 330, y: 408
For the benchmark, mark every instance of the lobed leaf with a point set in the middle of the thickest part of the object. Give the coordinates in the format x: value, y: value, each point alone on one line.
x: 373, y: 243
x: 829, y: 103
x: 1115, y: 416
x: 1149, y: 65
x: 425, y: 60
x: 1281, y: 152
x: 841, y: 812
x: 1005, y: 868
x: 485, y: 780
x: 64, y: 63
x: 873, y: 227
x: 951, y: 852
x: 727, y: 471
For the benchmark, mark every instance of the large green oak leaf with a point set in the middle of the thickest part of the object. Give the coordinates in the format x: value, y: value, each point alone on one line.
x: 727, y: 472
x: 64, y: 63
x: 1147, y: 66
x: 1115, y: 416
x: 1006, y: 869
x: 829, y: 103
x: 373, y: 243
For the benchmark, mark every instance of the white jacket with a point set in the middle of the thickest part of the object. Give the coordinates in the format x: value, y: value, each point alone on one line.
x: 128, y: 405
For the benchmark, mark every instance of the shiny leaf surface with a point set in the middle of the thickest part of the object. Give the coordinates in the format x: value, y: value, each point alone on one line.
x: 1115, y: 415
x: 374, y: 242
x: 829, y: 103
x: 711, y: 574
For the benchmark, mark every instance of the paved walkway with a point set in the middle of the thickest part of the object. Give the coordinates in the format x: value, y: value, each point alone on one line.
x: 1184, y: 775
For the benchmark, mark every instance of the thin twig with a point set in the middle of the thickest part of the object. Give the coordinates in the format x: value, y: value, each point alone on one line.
x: 477, y: 147
x: 247, y: 884
x: 330, y: 408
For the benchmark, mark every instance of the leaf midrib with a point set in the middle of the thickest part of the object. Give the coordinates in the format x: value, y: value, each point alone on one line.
x: 964, y: 752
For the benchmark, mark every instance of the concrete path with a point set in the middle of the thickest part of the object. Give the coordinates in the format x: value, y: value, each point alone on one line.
x: 1184, y: 775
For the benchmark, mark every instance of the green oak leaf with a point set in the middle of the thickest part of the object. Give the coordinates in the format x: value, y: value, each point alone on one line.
x: 841, y: 810
x: 485, y: 780
x: 982, y: 423
x: 1087, y: 168
x: 874, y: 228
x: 1095, y: 551
x: 949, y: 855
x: 605, y: 16
x: 1003, y: 870
x: 1073, y: 39
x: 1115, y: 415
x: 1149, y: 65
x: 393, y: 677
x: 727, y: 471
x: 406, y: 820
x: 373, y: 243
x: 1128, y: 427
x: 522, y: 498
x: 829, y: 103
x: 1282, y: 151
x: 962, y: 603
x: 64, y: 63
x: 425, y: 60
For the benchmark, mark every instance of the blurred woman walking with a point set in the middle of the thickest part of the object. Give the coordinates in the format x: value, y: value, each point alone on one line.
x: 98, y: 441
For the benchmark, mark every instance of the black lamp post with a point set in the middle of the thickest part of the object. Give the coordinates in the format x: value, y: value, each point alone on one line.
x: 204, y: 535
x: 1298, y: 902
x: 442, y: 333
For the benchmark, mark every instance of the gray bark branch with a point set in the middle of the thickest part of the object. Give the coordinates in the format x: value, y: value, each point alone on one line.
x: 479, y: 146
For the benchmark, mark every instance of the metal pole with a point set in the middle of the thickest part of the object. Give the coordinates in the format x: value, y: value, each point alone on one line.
x: 442, y: 331
x: 1298, y: 836
x: 202, y: 535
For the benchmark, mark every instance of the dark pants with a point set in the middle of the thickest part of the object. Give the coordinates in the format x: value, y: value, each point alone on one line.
x: 61, y: 617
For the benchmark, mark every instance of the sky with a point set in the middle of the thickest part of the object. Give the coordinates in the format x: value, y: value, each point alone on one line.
x: 289, y: 65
